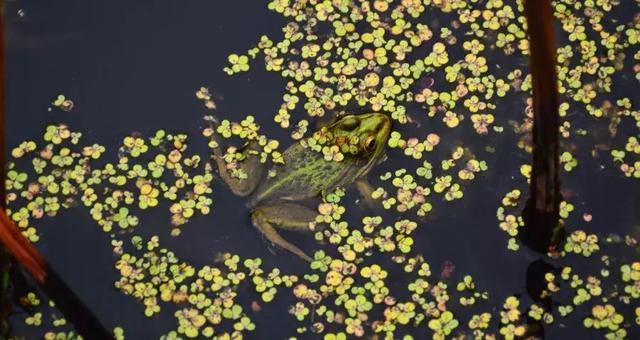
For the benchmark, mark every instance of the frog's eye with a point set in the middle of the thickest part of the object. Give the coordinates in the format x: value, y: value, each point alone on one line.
x: 349, y: 124
x: 370, y: 144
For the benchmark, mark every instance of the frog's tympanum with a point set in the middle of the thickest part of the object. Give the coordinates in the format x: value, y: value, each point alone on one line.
x: 275, y: 200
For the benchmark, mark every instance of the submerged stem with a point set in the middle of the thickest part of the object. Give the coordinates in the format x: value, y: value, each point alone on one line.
x: 542, y: 230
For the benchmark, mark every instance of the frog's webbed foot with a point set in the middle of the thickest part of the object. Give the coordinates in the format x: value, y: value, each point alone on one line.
x: 248, y: 172
x: 286, y: 216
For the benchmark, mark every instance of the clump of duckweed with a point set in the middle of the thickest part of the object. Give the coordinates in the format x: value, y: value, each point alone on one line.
x: 352, y: 294
x: 204, y: 298
x: 146, y: 171
x: 247, y: 131
x: 631, y: 277
x: 410, y: 195
x: 605, y: 317
x: 621, y: 157
x: 386, y: 57
x: 573, y: 289
x: 510, y: 319
x: 41, y: 313
x: 63, y: 103
x: 388, y: 64
x: 570, y: 289
x: 581, y: 243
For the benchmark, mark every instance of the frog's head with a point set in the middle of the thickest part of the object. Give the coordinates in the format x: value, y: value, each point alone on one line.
x: 371, y: 131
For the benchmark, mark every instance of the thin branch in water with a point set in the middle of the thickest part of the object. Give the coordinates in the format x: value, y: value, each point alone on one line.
x: 542, y: 231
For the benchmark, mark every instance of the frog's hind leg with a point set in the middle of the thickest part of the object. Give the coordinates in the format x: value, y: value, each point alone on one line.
x: 285, y: 216
x: 251, y: 165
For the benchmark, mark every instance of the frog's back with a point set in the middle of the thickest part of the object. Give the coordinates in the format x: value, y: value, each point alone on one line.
x: 305, y: 174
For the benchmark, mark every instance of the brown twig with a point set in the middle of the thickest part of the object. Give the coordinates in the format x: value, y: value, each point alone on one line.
x: 542, y: 231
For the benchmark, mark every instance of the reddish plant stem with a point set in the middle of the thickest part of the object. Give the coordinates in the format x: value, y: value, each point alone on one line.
x: 541, y: 214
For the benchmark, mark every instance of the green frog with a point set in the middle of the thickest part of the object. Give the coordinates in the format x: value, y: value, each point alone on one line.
x: 275, y: 200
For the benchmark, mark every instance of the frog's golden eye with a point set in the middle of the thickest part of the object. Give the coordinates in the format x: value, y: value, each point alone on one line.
x: 370, y: 144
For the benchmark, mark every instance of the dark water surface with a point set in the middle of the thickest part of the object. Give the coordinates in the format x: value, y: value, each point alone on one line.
x: 134, y: 66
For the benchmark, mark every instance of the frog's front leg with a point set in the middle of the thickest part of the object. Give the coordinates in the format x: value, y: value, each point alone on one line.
x: 249, y: 166
x: 286, y: 216
x: 366, y: 189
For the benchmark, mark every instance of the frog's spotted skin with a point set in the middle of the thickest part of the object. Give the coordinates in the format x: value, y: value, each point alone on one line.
x: 306, y: 174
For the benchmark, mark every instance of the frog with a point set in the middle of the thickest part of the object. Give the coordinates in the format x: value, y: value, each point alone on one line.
x: 276, y: 195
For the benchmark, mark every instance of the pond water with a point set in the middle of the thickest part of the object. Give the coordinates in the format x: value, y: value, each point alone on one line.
x: 132, y: 68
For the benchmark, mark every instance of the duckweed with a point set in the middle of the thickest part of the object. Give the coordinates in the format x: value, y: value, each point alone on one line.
x: 379, y: 56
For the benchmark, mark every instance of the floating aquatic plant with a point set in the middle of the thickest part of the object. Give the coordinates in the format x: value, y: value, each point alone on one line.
x: 376, y: 56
